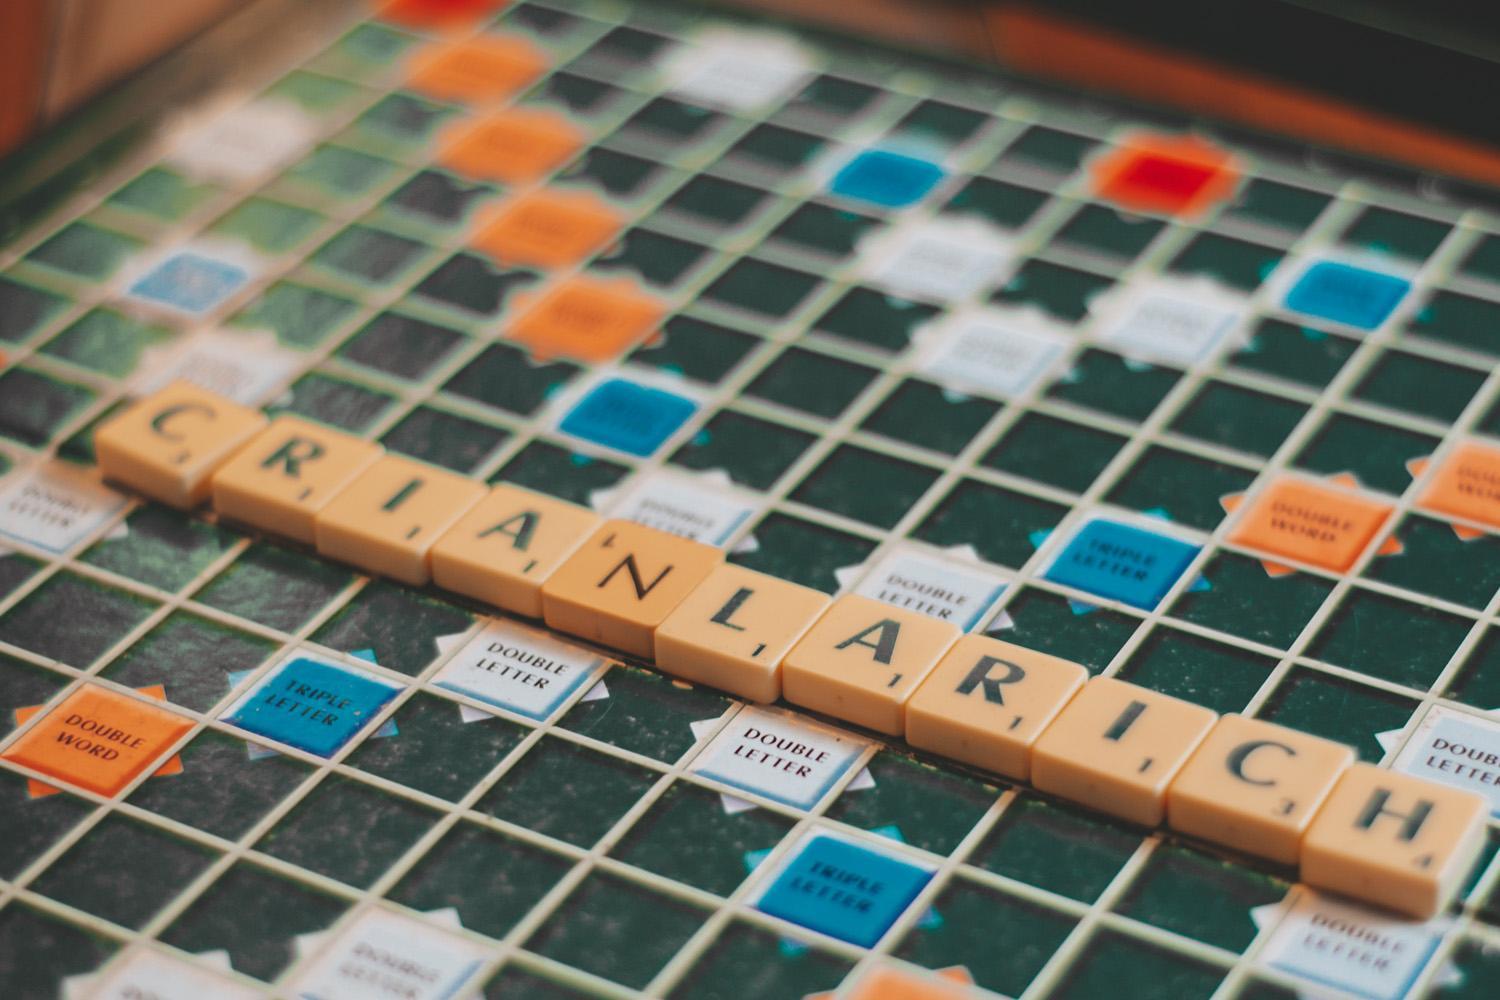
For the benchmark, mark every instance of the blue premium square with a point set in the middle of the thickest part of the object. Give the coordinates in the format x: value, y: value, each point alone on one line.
x: 1347, y: 294
x: 312, y: 706
x: 1122, y: 563
x: 891, y: 180
x: 190, y: 282
x: 843, y: 890
x: 631, y: 418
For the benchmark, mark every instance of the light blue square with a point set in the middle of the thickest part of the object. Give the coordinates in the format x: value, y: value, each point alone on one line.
x: 312, y: 706
x: 843, y: 890
x: 628, y: 417
x: 1122, y: 563
x: 891, y: 180
x: 1347, y: 294
x: 190, y: 282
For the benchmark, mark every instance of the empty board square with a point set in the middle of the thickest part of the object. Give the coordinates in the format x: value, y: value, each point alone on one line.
x: 275, y: 586
x: 645, y: 712
x: 123, y: 870
x: 436, y: 198
x: 923, y: 414
x: 1002, y: 525
x: 812, y: 382
x: 162, y: 547
x: 474, y: 285
x: 1048, y: 149
x: 914, y: 802
x: 444, y: 439
x: 1064, y: 292
x: 803, y: 552
x: 310, y: 705
x: 1107, y: 382
x: 760, y: 287
x: 1240, y: 597
x: 272, y: 227
x: 514, y: 980
x: 655, y: 258
x: 1477, y: 681
x: 1337, y: 709
x: 368, y: 255
x: 1343, y: 293
x: 1200, y: 896
x: 1119, y: 965
x: 439, y: 747
x: 98, y: 617
x: 616, y: 929
x: 1121, y: 562
x: 29, y: 824
x: 1104, y: 231
x: 1239, y: 264
x: 628, y: 417
x: 578, y: 95
x: 874, y: 319
x: 1001, y: 203
x: 400, y: 345
x: 255, y: 916
x: 846, y: 890
x: 1277, y: 206
x: 1435, y: 559
x: 161, y: 194
x: 491, y: 879
x: 347, y: 830
x: 716, y: 202
x: 402, y: 119
x: 1376, y: 454
x: 1204, y: 671
x: 745, y: 960
x: 226, y: 785
x: 337, y: 402
x: 623, y: 47
x: 398, y: 627
x: 823, y: 229
x: 665, y: 122
x: 969, y: 917
x: 554, y: 470
x: 1399, y: 234
x: 1057, y: 847
x: 301, y: 316
x: 614, y: 173
x: 566, y: 791
x: 35, y: 407
x: 865, y: 485
x: 504, y: 377
x: 1181, y: 487
x: 939, y: 122
x: 1054, y: 451
x: 834, y: 97
x: 364, y: 49
x: 336, y: 172
x: 42, y: 951
x: 689, y: 835
x: 1239, y: 418
x: 24, y: 309
x: 696, y: 348
x: 193, y: 659
x: 106, y: 341
x: 1059, y: 626
x: 1461, y: 320
x: 1420, y: 386
x: 1386, y: 637
x: 1301, y: 354
x: 84, y: 251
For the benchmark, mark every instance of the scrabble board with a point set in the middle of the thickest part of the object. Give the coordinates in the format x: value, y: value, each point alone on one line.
x: 1199, y: 410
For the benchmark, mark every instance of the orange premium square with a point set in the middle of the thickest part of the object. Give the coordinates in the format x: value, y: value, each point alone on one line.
x: 476, y: 70
x: 548, y: 229
x: 1170, y: 175
x: 1309, y: 523
x: 97, y: 739
x: 512, y: 147
x: 1467, y: 485
x: 447, y: 14
x: 586, y: 319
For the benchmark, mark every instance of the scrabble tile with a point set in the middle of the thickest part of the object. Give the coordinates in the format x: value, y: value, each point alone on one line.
x: 479, y: 69
x: 733, y: 631
x: 512, y: 147
x: 169, y: 444
x: 586, y: 319
x: 98, y: 740
x: 1394, y: 840
x: 623, y: 583
x: 1116, y: 748
x: 1467, y: 485
x: 987, y: 701
x: 863, y: 659
x: 287, y: 473
x: 388, y: 518
x: 548, y: 229
x: 1255, y: 786
x: 1312, y: 523
x: 507, y: 544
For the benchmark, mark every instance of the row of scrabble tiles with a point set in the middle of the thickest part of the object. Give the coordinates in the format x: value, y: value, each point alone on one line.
x: 1278, y: 793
